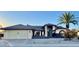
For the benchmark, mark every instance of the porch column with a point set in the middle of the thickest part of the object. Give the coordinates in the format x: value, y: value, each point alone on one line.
x: 43, y: 33
x: 46, y: 31
x: 40, y: 33
x: 34, y: 33
x: 53, y: 28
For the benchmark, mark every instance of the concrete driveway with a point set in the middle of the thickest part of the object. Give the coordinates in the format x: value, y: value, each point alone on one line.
x: 53, y: 42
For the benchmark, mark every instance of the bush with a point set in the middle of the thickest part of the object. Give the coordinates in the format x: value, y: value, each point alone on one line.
x: 70, y: 34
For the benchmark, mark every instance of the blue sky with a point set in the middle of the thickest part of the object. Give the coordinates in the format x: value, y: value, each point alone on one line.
x: 8, y: 18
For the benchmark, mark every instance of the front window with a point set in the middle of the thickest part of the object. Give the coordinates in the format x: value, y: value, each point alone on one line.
x: 62, y: 32
x: 37, y: 34
x: 1, y: 35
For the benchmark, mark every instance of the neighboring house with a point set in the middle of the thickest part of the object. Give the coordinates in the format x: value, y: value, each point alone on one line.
x: 28, y: 31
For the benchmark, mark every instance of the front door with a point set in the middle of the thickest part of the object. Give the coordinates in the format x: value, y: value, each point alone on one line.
x: 49, y: 33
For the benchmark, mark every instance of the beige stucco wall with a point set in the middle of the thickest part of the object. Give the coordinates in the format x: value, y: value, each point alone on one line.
x: 18, y: 34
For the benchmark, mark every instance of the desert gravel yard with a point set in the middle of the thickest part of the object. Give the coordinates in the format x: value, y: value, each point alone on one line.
x: 53, y: 42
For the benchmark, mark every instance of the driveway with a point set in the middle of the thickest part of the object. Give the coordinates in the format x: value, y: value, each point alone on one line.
x: 53, y: 42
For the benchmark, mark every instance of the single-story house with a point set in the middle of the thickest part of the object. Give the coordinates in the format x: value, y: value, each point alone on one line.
x: 28, y: 31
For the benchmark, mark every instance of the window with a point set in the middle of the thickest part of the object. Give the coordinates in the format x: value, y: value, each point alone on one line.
x: 37, y: 34
x: 62, y: 32
x: 1, y: 35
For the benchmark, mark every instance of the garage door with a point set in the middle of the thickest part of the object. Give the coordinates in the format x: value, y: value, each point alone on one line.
x: 18, y: 34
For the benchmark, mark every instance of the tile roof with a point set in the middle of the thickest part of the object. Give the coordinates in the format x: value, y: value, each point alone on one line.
x: 29, y: 27
x: 23, y: 27
x: 60, y: 27
x: 49, y: 24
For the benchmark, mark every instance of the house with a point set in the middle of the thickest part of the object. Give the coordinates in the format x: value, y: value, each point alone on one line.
x: 28, y: 31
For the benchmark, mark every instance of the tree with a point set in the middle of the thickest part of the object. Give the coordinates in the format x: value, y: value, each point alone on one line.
x: 67, y: 18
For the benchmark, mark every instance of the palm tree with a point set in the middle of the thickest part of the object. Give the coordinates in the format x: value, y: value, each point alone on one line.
x: 67, y: 18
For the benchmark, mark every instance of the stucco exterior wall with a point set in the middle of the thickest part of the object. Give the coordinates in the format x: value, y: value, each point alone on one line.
x: 18, y: 34
x: 58, y: 30
x: 53, y: 27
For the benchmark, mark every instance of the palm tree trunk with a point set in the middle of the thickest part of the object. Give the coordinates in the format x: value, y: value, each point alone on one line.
x: 67, y: 26
x: 68, y: 36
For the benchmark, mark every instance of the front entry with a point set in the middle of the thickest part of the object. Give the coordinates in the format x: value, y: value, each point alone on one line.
x: 50, y: 31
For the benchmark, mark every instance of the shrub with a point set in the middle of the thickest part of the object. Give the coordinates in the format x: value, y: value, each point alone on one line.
x: 70, y: 34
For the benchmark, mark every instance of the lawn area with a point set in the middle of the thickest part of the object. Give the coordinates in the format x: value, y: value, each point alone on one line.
x: 53, y: 42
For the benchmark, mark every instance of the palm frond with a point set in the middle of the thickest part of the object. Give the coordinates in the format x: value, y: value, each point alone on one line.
x: 67, y: 18
x: 61, y: 23
x: 75, y: 22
